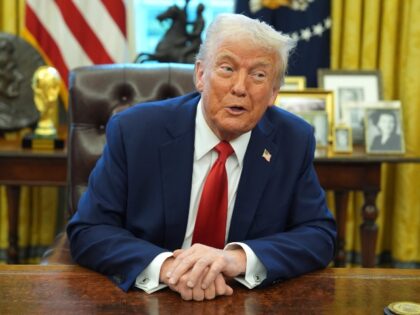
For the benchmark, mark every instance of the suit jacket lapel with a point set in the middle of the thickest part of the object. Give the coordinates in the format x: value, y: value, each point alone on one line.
x: 255, y: 173
x: 177, y: 165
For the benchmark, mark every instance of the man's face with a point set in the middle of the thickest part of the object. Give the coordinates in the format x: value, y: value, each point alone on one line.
x: 238, y: 84
x: 386, y: 123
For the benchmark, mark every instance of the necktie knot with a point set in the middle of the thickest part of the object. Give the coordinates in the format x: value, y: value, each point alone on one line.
x: 224, y: 149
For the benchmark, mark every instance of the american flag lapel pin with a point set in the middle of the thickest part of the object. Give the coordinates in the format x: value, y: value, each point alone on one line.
x: 266, y: 155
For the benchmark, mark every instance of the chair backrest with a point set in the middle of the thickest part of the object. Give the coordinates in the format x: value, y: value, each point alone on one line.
x: 96, y: 93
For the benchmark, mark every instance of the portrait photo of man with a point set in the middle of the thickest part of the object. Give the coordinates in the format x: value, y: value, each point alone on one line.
x: 348, y: 94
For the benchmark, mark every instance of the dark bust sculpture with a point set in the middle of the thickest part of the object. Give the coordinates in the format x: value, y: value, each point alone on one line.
x: 177, y: 44
x: 18, y: 62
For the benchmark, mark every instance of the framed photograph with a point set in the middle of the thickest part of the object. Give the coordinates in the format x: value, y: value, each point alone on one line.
x: 342, y: 142
x: 350, y: 86
x: 384, y: 130
x: 318, y: 120
x: 294, y: 83
x: 308, y: 100
x: 354, y: 115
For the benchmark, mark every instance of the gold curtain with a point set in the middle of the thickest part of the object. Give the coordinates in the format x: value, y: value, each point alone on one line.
x: 10, y: 13
x: 37, y: 206
x: 385, y: 35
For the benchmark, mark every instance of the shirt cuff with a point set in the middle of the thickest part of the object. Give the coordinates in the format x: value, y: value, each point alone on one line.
x: 148, y: 279
x: 255, y: 272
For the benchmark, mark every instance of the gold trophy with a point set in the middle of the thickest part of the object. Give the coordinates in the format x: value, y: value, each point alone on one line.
x: 46, y: 86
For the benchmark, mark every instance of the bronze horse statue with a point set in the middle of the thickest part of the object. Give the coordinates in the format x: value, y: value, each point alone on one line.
x: 175, y: 44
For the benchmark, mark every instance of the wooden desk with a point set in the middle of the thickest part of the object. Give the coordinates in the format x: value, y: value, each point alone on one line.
x: 340, y: 173
x: 26, y: 289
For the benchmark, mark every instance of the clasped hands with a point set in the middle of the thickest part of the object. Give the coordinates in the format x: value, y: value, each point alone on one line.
x: 198, y: 273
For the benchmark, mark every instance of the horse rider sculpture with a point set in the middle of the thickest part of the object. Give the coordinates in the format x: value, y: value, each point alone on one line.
x: 177, y: 44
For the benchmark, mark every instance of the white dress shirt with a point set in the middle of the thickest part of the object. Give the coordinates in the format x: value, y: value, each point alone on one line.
x: 204, y: 157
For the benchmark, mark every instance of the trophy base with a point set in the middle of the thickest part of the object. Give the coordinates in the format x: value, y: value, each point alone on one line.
x: 33, y: 142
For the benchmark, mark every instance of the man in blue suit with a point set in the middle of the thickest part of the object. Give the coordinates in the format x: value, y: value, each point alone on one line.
x: 139, y: 219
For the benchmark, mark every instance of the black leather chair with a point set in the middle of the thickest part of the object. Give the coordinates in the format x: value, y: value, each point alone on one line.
x: 96, y: 93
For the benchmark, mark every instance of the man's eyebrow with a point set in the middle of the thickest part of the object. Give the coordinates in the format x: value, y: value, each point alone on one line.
x: 262, y: 64
x: 228, y: 56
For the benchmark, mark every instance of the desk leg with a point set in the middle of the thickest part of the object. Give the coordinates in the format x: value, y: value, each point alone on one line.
x: 369, y: 229
x: 13, y: 194
x: 341, y: 202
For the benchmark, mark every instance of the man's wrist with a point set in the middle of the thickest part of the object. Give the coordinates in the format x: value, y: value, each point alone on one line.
x: 164, y: 269
x: 255, y: 271
x: 239, y: 259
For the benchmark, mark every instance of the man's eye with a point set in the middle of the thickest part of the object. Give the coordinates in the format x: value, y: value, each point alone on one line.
x: 259, y: 75
x: 227, y: 68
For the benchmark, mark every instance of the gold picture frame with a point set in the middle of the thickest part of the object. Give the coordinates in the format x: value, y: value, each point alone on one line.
x: 350, y: 86
x: 384, y: 132
x: 294, y: 83
x: 308, y: 100
x: 354, y: 116
x: 342, y: 139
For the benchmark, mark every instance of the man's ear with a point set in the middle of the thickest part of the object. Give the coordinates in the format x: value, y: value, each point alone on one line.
x: 199, y: 75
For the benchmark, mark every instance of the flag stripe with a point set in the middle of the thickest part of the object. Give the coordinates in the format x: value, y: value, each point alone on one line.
x: 74, y: 33
x: 83, y: 33
x: 116, y: 9
x: 46, y: 42
x: 104, y: 27
x: 73, y: 54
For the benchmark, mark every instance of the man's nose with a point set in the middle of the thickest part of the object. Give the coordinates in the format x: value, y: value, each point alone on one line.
x: 239, y: 84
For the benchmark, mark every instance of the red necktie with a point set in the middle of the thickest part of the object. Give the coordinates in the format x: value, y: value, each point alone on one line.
x: 210, y: 225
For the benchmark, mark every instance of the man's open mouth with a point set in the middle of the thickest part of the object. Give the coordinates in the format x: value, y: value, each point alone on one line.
x: 236, y: 109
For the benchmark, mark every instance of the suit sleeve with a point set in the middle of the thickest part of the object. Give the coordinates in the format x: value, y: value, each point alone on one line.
x: 97, y: 233
x: 308, y: 242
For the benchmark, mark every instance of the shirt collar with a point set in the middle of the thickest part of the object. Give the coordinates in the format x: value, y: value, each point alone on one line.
x: 206, y: 140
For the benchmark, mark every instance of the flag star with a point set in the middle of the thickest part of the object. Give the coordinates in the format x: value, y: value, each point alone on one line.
x: 295, y: 36
x: 255, y: 5
x: 306, y: 34
x: 327, y: 23
x: 318, y: 29
x: 295, y: 6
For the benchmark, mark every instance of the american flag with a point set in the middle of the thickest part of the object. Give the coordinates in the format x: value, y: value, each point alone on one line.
x: 72, y: 33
